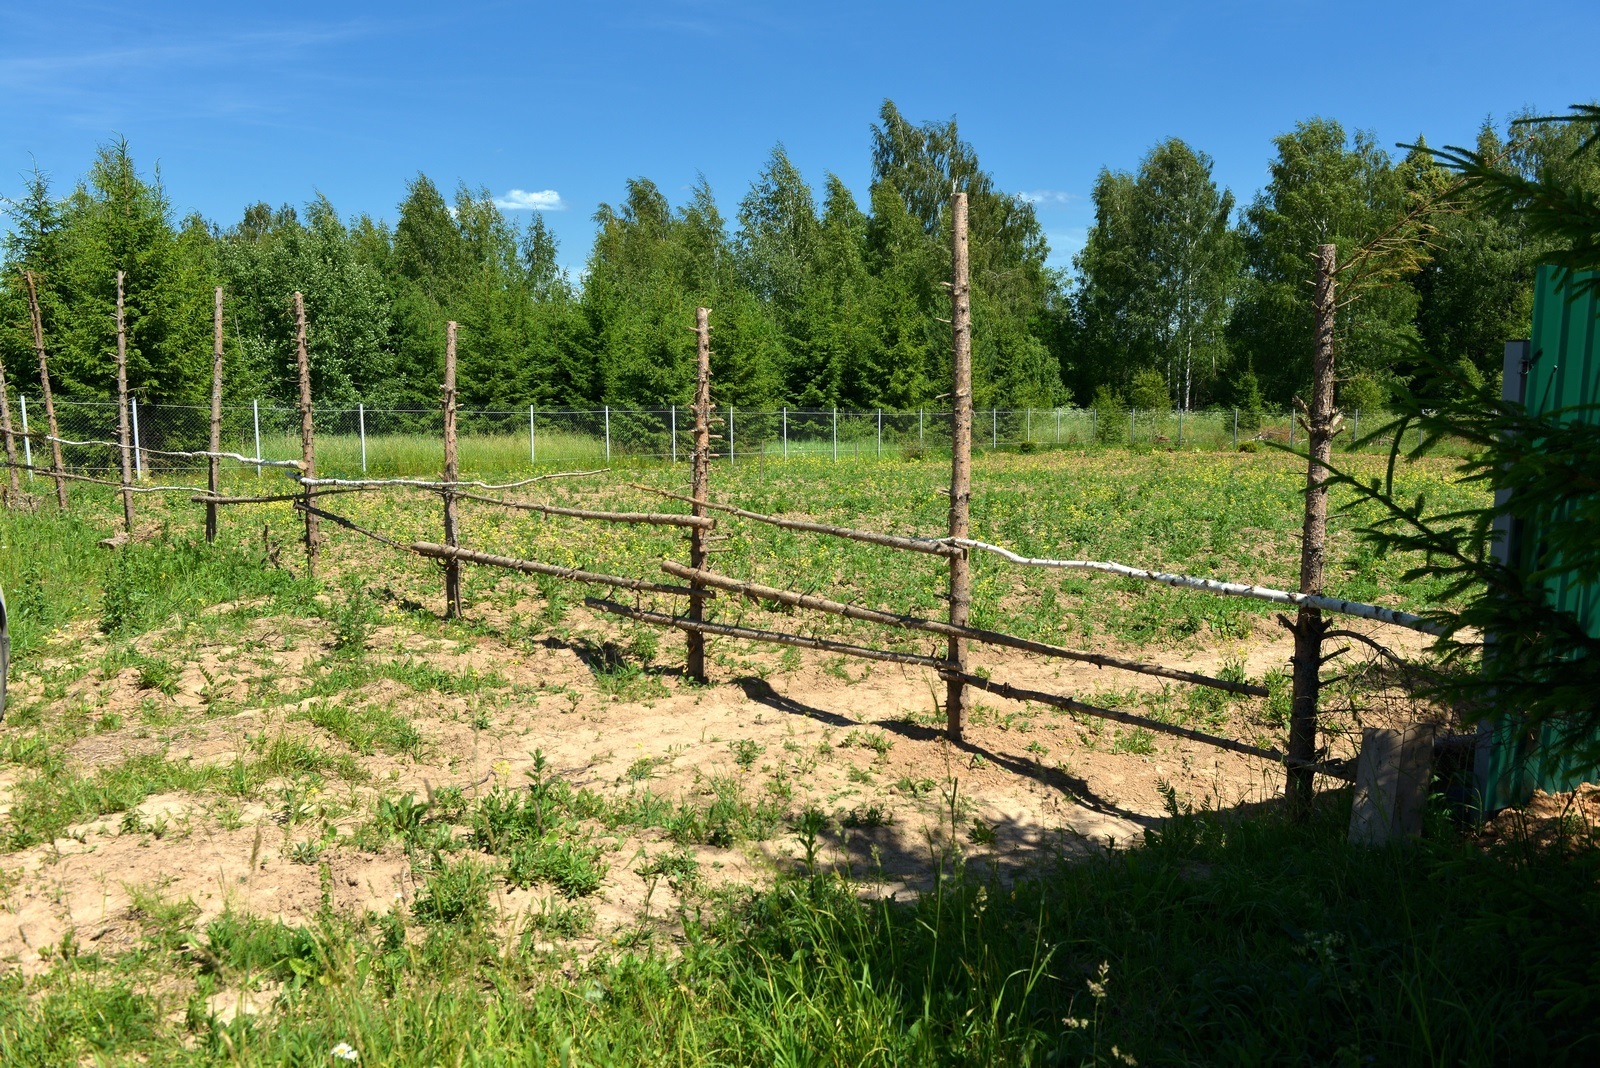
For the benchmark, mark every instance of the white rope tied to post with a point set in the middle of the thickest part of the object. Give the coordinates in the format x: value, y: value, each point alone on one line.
x: 1230, y: 589
x: 418, y: 483
x: 200, y: 455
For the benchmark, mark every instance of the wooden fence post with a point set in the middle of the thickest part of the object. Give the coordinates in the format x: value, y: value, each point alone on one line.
x: 57, y: 467
x: 214, y: 462
x: 10, y: 436
x: 960, y: 462
x: 699, y: 487
x: 452, y: 473
x: 308, y: 442
x: 124, y: 443
x: 1309, y: 626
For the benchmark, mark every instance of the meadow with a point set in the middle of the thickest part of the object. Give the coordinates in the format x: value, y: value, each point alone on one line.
x: 253, y: 818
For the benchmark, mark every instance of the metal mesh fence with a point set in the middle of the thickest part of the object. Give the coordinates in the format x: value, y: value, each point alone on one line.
x: 396, y: 442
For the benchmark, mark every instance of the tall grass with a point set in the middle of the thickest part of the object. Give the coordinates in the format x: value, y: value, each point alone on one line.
x: 50, y: 570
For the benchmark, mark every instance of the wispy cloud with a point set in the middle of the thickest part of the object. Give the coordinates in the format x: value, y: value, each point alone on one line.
x: 1048, y: 196
x: 538, y: 200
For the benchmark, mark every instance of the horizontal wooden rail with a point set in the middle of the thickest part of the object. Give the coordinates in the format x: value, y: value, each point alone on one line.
x: 933, y: 626
x: 533, y: 567
x: 725, y: 630
x: 439, y: 487
x: 70, y: 477
x: 1016, y: 693
x: 274, y: 498
x: 197, y: 454
x: 660, y: 519
x: 893, y: 541
x: 1229, y: 589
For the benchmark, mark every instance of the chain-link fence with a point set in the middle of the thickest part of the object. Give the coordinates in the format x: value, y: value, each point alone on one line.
x: 408, y: 442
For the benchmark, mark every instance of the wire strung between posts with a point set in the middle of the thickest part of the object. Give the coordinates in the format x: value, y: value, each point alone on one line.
x: 758, y: 592
x: 201, y: 455
x: 417, y: 483
x: 1231, y: 589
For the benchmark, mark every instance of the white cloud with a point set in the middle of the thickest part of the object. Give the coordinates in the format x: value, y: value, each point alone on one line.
x: 538, y: 200
x: 1047, y: 196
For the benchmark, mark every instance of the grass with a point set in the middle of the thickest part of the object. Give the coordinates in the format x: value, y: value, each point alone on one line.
x: 1235, y: 517
x: 1222, y: 940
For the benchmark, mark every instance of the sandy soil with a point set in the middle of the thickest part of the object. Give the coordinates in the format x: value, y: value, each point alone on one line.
x: 857, y: 740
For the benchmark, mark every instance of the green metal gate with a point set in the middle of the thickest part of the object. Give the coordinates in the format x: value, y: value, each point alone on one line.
x: 1557, y: 368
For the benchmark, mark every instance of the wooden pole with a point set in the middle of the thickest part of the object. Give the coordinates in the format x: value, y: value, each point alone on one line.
x: 695, y: 628
x: 452, y: 473
x: 44, y: 386
x: 534, y: 567
x: 1309, y: 625
x: 10, y: 436
x: 699, y: 487
x: 960, y: 464
x: 308, y: 442
x: 214, y: 462
x: 124, y: 441
x: 758, y: 592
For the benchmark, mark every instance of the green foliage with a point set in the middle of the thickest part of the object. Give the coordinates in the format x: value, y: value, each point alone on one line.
x: 1110, y: 416
x: 1157, y: 276
x: 1325, y: 188
x: 573, y: 868
x: 1364, y: 394
x: 1157, y: 952
x: 456, y: 894
x: 148, y: 583
x: 50, y: 571
x: 1147, y: 392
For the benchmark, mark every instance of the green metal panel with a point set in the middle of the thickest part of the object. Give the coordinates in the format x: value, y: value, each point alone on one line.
x: 1563, y: 371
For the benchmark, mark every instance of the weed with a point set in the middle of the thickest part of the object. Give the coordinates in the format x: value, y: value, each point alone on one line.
x: 456, y: 894
x: 1137, y: 742
x: 644, y: 768
x: 572, y: 868
x: 679, y: 867
x: 914, y: 787
x: 307, y: 852
x: 746, y: 751
x: 560, y: 919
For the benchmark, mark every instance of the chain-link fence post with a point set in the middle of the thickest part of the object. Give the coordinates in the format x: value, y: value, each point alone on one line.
x: 138, y: 455
x: 27, y: 442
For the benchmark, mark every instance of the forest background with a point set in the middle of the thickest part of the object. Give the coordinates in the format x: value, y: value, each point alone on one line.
x: 1180, y: 296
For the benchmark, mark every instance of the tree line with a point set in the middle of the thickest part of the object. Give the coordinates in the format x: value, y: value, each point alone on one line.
x: 1178, y: 297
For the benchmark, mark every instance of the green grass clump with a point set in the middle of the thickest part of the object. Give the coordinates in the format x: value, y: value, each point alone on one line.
x: 573, y: 868
x: 146, y: 584
x: 56, y: 796
x: 50, y: 570
x: 456, y: 894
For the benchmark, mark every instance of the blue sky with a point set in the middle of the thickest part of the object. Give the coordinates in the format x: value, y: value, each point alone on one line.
x: 238, y: 103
